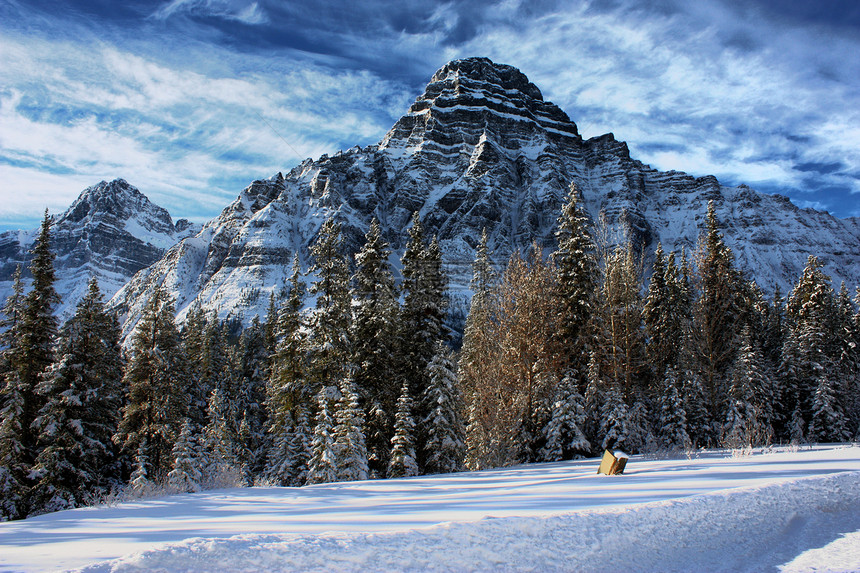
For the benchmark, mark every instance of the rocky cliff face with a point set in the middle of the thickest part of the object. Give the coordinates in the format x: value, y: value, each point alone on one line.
x: 480, y: 148
x: 111, y: 231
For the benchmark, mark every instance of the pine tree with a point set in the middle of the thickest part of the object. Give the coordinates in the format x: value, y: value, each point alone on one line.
x: 374, y: 332
x: 663, y: 315
x: 185, y: 476
x: 83, y: 395
x: 31, y: 338
x: 157, y: 383
x: 444, y: 450
x: 13, y: 459
x: 140, y: 482
x: 403, y: 462
x: 672, y: 430
x: 576, y: 265
x: 748, y: 420
x: 424, y: 307
x: 615, y: 420
x: 717, y: 314
x: 329, y: 342
x: 349, y: 441
x: 288, y: 397
x: 251, y: 416
x: 565, y: 436
x: 322, y: 467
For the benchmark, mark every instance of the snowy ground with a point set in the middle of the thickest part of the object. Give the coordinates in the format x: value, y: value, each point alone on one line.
x: 794, y: 510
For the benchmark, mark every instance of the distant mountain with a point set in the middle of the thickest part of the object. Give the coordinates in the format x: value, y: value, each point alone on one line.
x: 480, y: 148
x: 111, y: 231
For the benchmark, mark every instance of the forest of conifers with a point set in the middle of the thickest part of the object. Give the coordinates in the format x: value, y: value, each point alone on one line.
x: 351, y: 376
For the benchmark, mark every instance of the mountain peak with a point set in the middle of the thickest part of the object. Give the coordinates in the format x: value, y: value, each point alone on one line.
x: 485, y: 70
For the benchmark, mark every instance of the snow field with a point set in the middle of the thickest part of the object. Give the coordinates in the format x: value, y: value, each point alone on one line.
x: 713, y: 512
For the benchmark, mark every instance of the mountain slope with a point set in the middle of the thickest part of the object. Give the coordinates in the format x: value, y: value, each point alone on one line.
x: 480, y: 148
x: 111, y: 231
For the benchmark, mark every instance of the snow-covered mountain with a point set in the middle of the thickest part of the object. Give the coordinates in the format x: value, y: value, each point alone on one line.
x: 111, y: 231
x: 480, y: 148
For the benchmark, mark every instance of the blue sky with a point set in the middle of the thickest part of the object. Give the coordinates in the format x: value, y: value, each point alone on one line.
x: 190, y: 100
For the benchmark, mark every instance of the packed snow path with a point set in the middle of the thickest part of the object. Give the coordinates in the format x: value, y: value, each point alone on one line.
x: 559, y: 516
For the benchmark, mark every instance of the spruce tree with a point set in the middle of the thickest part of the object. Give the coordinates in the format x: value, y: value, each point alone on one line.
x: 403, y: 462
x: 185, y: 477
x: 157, y: 382
x: 349, y: 441
x: 374, y: 332
x: 322, y: 466
x: 83, y: 395
x: 748, y: 422
x: 32, y: 352
x: 424, y: 306
x: 13, y: 459
x: 329, y: 341
x: 576, y: 264
x: 444, y: 449
x: 717, y: 312
x: 672, y: 423
x: 289, y: 399
x: 565, y: 435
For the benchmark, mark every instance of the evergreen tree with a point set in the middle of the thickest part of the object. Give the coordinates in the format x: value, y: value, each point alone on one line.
x: 424, y: 307
x: 444, y: 450
x: 403, y: 462
x: 251, y: 392
x: 576, y: 265
x: 565, y: 436
x: 717, y: 312
x: 288, y: 396
x: 83, y: 396
x: 140, y: 482
x: 157, y: 383
x: 748, y: 421
x: 185, y: 476
x: 663, y: 314
x: 322, y: 467
x: 349, y: 442
x: 615, y: 420
x: 672, y: 430
x: 13, y: 458
x: 329, y: 342
x: 374, y: 332
x: 30, y: 353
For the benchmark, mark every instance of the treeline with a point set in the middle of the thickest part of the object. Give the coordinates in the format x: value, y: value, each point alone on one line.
x: 563, y: 355
x: 567, y: 355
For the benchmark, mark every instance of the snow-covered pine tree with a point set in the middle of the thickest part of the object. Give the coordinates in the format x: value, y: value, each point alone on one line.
x: 35, y: 337
x: 747, y: 422
x: 661, y: 315
x: 594, y: 400
x: 565, y: 436
x: 288, y: 397
x: 329, y: 342
x: 375, y: 334
x: 83, y: 395
x: 615, y: 420
x: 423, y: 311
x: 13, y: 460
x: 139, y: 481
x: 444, y: 449
x: 672, y: 423
x: 156, y: 379
x: 349, y: 442
x: 251, y: 415
x: 186, y: 474
x: 221, y: 432
x: 576, y: 264
x: 403, y: 462
x: 716, y: 311
x: 322, y: 466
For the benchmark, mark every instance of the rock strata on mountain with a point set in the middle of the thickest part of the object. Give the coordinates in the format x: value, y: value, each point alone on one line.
x: 111, y: 231
x: 480, y: 148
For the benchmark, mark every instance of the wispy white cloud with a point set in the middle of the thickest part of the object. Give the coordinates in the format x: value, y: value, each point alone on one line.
x: 241, y: 11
